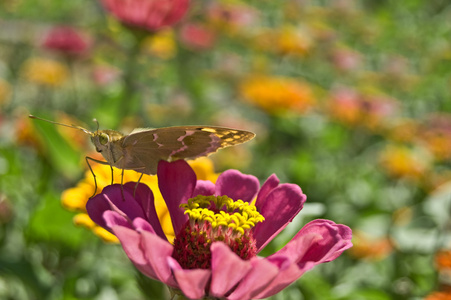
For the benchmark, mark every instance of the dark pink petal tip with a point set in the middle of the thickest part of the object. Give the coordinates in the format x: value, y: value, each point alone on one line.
x: 236, y: 185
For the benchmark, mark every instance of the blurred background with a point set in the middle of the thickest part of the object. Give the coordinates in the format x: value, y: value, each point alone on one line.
x: 349, y: 99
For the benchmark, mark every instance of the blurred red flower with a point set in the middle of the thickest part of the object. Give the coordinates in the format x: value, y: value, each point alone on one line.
x: 67, y: 40
x: 150, y: 15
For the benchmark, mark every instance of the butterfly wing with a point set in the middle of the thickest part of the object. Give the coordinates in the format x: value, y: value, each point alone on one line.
x: 144, y: 149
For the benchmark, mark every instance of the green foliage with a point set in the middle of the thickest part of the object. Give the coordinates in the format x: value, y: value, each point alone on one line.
x: 393, y: 56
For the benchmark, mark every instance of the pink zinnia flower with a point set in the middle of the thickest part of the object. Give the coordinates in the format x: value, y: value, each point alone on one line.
x: 66, y: 40
x: 218, y: 233
x: 147, y: 14
x: 197, y: 36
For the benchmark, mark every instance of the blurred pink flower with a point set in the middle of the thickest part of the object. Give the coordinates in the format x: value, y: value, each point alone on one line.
x: 151, y: 15
x: 197, y: 36
x: 217, y: 262
x: 234, y: 15
x: 66, y: 40
x: 104, y: 75
x: 346, y: 59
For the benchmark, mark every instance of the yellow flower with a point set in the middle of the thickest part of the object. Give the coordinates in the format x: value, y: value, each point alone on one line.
x: 161, y: 45
x: 402, y: 162
x: 75, y: 198
x: 278, y: 94
x: 45, y: 72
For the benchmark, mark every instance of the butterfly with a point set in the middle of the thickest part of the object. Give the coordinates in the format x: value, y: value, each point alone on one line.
x: 143, y: 148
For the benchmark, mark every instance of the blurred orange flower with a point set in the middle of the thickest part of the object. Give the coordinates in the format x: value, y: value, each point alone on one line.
x: 445, y: 295
x: 443, y: 260
x: 5, y: 92
x: 278, y: 95
x: 45, y: 72
x: 435, y: 134
x: 367, y: 248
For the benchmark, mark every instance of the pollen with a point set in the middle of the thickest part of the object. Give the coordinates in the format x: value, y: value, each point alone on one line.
x: 215, y: 218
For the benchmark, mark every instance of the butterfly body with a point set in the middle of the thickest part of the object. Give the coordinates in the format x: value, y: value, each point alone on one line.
x: 142, y: 149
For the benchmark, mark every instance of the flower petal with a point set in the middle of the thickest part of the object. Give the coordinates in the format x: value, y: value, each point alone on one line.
x: 204, y: 187
x: 140, y: 224
x: 227, y: 269
x: 261, y: 274
x: 271, y: 183
x: 176, y: 181
x: 112, y: 219
x: 131, y: 243
x: 279, y: 208
x: 317, y: 242
x: 144, y: 196
x: 191, y: 282
x: 335, y: 238
x: 234, y: 184
x: 112, y: 198
x: 156, y: 250
x: 287, y: 274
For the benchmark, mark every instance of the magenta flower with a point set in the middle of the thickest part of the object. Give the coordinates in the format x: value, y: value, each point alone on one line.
x: 218, y: 233
x: 150, y: 15
x: 66, y: 40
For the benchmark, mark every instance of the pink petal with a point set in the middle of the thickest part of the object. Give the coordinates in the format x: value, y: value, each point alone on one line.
x: 279, y: 208
x: 191, y: 282
x: 131, y: 243
x: 144, y: 196
x: 177, y: 182
x: 261, y: 274
x: 204, y: 187
x: 234, y: 184
x: 111, y: 198
x: 142, y: 225
x: 317, y: 242
x: 157, y: 251
x: 112, y: 219
x: 227, y: 269
x: 271, y: 183
x: 287, y: 274
x: 335, y: 238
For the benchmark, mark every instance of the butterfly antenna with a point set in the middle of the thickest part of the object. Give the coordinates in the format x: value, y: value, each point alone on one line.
x: 61, y: 124
x: 97, y: 122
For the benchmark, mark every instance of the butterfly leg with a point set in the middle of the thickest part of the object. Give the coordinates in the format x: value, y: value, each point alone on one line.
x: 92, y: 172
x: 122, y: 184
x: 112, y: 175
x: 136, y: 186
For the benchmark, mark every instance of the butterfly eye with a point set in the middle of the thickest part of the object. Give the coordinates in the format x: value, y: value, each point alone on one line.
x: 103, y: 138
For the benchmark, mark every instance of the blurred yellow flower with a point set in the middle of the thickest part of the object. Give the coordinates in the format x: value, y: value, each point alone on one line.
x: 291, y: 40
x: 285, y: 40
x: 75, y: 198
x: 403, y: 162
x: 367, y: 248
x: 278, y: 94
x: 161, y: 44
x: 5, y: 92
x: 45, y: 72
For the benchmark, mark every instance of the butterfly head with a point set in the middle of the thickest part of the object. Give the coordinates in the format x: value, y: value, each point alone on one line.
x: 102, y: 139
